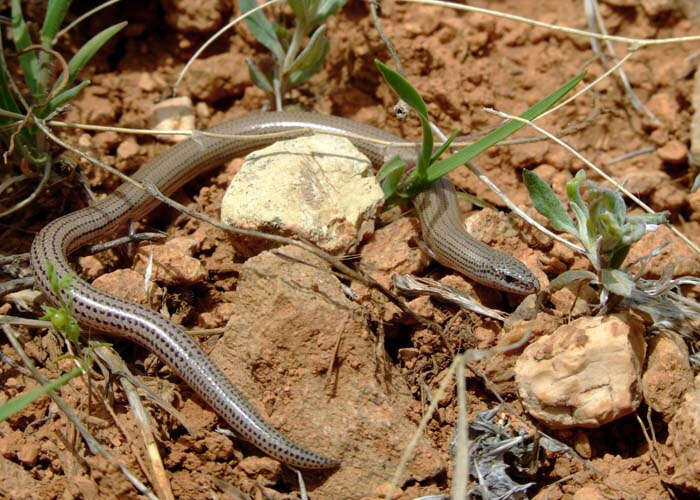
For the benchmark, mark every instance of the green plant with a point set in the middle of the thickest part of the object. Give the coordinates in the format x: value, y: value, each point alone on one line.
x: 398, y: 187
x: 41, y: 97
x: 293, y: 65
x: 61, y: 317
x: 602, y: 226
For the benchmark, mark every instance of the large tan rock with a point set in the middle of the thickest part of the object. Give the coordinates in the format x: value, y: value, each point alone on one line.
x: 668, y: 375
x: 587, y: 373
x: 301, y: 351
x: 684, y: 436
x: 320, y: 188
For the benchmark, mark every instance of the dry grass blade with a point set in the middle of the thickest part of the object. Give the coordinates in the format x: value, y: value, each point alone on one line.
x: 159, y: 477
x: 411, y: 446
x: 461, y: 468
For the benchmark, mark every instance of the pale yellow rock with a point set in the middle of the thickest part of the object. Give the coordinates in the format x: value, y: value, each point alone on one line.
x: 176, y: 113
x: 585, y: 374
x: 320, y: 188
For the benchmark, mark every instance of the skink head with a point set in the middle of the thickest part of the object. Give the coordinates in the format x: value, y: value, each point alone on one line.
x: 516, y: 278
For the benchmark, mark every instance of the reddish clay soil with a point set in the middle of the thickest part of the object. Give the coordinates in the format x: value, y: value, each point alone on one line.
x: 461, y: 62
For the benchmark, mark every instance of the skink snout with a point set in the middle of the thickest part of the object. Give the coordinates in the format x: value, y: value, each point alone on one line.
x: 517, y: 279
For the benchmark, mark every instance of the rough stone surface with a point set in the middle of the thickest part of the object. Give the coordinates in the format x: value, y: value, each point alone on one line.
x: 655, y: 7
x: 195, y: 17
x: 320, y: 188
x: 392, y: 250
x: 281, y: 343
x: 676, y: 253
x: 16, y: 481
x: 176, y: 113
x: 173, y: 263
x: 684, y: 436
x: 668, y: 375
x: 587, y: 373
x: 128, y: 284
x: 694, y: 204
x: 674, y: 152
x: 664, y: 106
x: 212, y: 79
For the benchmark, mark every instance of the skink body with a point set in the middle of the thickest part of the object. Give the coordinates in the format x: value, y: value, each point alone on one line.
x: 437, y: 209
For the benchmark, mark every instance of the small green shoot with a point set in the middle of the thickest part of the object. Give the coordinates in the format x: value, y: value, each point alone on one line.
x: 602, y: 226
x: 294, y: 65
x: 430, y: 168
x: 62, y: 317
x: 20, y: 402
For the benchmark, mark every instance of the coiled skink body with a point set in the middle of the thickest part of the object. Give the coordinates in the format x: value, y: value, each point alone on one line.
x: 437, y: 209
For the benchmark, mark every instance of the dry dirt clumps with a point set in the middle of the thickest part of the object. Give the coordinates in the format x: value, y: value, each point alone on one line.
x: 303, y: 351
x: 337, y: 367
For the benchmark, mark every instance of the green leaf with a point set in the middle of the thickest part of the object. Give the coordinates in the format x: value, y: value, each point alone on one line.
x: 444, y: 146
x: 395, y: 163
x: 301, y: 11
x: 18, y: 403
x: 442, y: 167
x: 632, y: 231
x: 618, y: 256
x: 657, y: 218
x: 547, y: 203
x: 258, y: 77
x: 7, y: 99
x: 618, y: 282
x: 696, y: 184
x: 404, y: 89
x: 262, y: 29
x: 62, y: 98
x: 410, y: 95
x: 63, y: 321
x: 88, y: 50
x: 313, y: 53
x: 392, y: 177
x: 389, y: 176
x: 300, y: 76
x: 568, y: 277
x: 573, y: 191
x: 28, y: 60
x: 55, y: 14
x: 327, y: 8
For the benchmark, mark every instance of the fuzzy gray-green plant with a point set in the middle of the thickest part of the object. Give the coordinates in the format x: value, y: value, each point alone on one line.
x: 295, y: 62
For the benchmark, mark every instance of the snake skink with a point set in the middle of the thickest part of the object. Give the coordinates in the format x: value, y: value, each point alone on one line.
x: 437, y: 209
